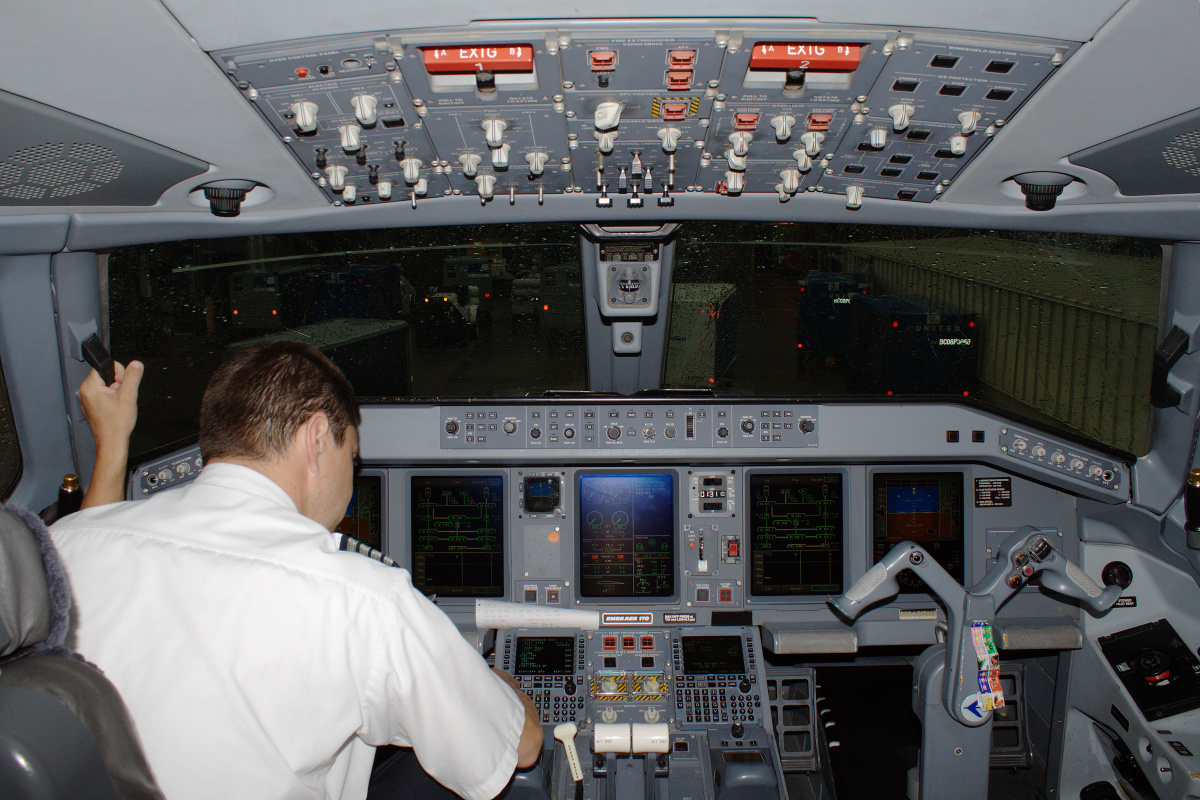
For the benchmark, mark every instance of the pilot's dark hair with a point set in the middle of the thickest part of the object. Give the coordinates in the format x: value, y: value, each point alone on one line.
x: 257, y: 400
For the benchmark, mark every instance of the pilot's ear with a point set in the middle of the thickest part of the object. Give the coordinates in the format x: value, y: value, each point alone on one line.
x: 314, y: 438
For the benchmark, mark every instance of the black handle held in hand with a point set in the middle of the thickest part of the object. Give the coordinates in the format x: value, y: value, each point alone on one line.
x: 97, y: 355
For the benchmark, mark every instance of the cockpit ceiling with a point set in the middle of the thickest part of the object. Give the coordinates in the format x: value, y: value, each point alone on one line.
x: 216, y: 85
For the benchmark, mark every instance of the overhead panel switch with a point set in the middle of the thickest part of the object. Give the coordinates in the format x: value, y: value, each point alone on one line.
x: 812, y: 141
x: 608, y: 116
x: 783, y: 126
x: 470, y: 163
x: 537, y: 162
x: 968, y: 120
x: 305, y: 114
x: 670, y: 138
x: 351, y: 137
x: 741, y: 142
x: 364, y: 108
x: 901, y: 113
x: 494, y: 131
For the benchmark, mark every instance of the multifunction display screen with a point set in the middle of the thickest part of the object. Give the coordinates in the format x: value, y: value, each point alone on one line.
x: 627, y: 535
x: 541, y: 495
x: 545, y: 655
x: 712, y: 655
x: 795, y: 533
x: 364, y: 515
x: 458, y: 535
x: 921, y: 507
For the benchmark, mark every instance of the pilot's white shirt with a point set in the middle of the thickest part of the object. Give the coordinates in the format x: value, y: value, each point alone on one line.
x: 258, y: 661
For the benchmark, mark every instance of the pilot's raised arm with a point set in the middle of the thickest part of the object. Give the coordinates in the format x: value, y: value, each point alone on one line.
x: 111, y: 412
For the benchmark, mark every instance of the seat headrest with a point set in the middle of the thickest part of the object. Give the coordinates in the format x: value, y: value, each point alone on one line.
x: 35, y: 600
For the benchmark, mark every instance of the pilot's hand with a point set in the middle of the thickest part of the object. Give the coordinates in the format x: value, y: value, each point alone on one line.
x: 111, y: 412
x: 530, y: 746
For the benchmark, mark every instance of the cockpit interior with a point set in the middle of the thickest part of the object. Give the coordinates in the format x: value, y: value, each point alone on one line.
x: 799, y: 400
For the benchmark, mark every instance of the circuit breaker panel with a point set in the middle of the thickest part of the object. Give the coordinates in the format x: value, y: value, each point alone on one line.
x: 631, y: 116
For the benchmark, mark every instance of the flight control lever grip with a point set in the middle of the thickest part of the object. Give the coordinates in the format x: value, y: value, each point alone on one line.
x: 879, y: 582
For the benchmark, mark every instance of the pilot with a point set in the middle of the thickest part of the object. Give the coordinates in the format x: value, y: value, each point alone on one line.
x: 257, y: 659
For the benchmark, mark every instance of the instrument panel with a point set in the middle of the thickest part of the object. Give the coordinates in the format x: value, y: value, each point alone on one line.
x: 755, y: 532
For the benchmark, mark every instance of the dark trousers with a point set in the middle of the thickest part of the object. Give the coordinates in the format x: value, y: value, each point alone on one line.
x: 398, y: 776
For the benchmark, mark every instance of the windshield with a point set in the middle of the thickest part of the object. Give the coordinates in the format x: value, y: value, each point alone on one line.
x: 1060, y: 328
x: 450, y: 312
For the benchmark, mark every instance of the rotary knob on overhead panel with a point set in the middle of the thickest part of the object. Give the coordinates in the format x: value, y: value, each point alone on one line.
x: 791, y: 180
x: 305, y: 114
x: 337, y: 177
x: 510, y: 426
x: 803, y: 162
x: 901, y: 113
x: 958, y: 145
x: 854, y: 196
x: 608, y: 116
x: 537, y: 162
x: 670, y: 138
x: 735, y: 161
x: 807, y: 426
x: 351, y: 137
x: 349, y: 193
x: 470, y: 163
x: 420, y: 187
x: 364, y: 108
x: 412, y: 169
x: 1058, y: 459
x: 607, y: 140
x: 734, y: 181
x: 812, y: 141
x: 384, y: 190
x: 783, y: 126
x: 967, y: 121
x: 500, y: 156
x: 486, y: 184
x: 877, y: 138
x: 493, y: 130
x: 741, y: 142
x: 1038, y: 451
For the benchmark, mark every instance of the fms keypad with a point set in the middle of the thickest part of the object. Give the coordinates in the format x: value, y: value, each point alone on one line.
x: 716, y: 679
x: 550, y: 669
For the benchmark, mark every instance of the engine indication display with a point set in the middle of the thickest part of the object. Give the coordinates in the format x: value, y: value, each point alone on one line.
x: 458, y: 535
x: 795, y: 533
x: 921, y: 507
x: 627, y: 535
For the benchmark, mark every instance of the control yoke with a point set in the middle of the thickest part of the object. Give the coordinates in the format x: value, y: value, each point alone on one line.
x: 1027, y: 552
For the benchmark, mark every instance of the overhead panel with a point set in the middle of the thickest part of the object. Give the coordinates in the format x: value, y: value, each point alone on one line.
x: 630, y: 116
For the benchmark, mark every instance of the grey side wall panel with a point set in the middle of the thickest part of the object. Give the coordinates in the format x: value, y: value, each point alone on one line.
x: 29, y: 353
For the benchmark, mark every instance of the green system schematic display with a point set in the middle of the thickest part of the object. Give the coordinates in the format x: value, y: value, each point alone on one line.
x: 795, y: 533
x: 458, y: 535
x: 627, y: 535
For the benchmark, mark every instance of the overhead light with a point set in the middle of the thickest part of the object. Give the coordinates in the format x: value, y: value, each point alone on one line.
x: 225, y: 197
x: 1041, y: 189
